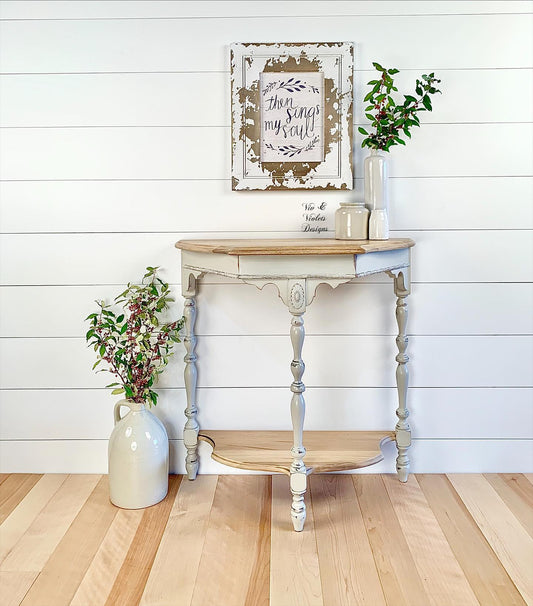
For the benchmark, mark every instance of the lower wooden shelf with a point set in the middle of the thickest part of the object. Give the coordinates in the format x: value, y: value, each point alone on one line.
x: 270, y: 450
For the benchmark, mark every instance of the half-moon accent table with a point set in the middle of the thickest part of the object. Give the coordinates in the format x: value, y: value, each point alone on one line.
x: 296, y: 267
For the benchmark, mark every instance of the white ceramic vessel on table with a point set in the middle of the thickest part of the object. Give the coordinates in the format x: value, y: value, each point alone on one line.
x: 351, y: 221
x: 376, y: 195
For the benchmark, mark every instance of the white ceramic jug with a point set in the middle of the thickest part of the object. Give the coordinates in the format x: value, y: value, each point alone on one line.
x: 138, y: 458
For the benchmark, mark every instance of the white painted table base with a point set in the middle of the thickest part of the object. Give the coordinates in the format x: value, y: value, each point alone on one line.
x: 296, y: 267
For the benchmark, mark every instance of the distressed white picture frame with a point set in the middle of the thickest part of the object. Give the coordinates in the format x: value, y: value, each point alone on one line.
x: 330, y: 167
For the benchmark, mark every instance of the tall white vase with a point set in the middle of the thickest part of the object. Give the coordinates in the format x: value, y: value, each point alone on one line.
x: 376, y: 195
x: 138, y: 458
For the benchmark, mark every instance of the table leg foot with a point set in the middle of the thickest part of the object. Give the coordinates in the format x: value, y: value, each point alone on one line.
x: 402, y: 465
x: 298, y: 518
x: 298, y: 483
x: 192, y: 471
x: 191, y: 465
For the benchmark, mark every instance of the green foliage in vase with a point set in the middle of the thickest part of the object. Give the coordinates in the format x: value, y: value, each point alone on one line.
x: 130, y: 339
x: 389, y: 119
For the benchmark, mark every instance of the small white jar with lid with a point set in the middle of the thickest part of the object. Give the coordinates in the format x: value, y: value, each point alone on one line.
x: 351, y: 221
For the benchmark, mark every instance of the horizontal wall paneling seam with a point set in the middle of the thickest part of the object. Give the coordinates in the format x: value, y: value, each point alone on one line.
x: 39, y: 10
x: 49, y: 412
x: 113, y: 153
x: 478, y: 41
x: 161, y: 99
x: 361, y: 361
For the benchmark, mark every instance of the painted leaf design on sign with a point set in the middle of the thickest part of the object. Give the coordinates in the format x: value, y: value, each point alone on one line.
x: 292, y: 85
x: 294, y: 150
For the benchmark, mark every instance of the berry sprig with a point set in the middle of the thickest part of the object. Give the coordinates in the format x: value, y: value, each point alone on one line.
x: 388, y: 118
x: 133, y: 343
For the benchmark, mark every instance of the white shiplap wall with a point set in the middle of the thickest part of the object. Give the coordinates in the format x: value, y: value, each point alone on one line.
x: 115, y: 142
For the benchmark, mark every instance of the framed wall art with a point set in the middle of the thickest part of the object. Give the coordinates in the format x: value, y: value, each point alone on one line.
x: 292, y: 116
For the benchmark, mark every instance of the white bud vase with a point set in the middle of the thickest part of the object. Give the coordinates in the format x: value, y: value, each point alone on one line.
x: 138, y: 458
x: 376, y: 195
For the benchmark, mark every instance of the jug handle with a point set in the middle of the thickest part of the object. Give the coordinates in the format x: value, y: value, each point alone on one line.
x: 118, y: 405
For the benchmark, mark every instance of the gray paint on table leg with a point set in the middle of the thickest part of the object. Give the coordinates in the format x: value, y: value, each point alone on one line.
x: 298, y: 477
x: 403, y: 431
x: 191, y: 429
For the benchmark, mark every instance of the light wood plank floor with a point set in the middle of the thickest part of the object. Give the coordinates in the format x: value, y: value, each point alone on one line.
x: 454, y: 540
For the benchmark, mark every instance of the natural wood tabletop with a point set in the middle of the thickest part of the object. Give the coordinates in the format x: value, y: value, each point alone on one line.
x: 293, y: 246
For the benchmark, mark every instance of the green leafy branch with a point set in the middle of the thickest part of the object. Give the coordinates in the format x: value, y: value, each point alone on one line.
x: 132, y: 342
x: 389, y: 119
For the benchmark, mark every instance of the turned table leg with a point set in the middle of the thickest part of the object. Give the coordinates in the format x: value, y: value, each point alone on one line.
x: 403, y: 431
x: 298, y: 477
x: 191, y: 429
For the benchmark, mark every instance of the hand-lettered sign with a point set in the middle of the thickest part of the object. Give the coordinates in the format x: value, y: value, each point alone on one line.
x: 291, y: 115
x: 292, y: 108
